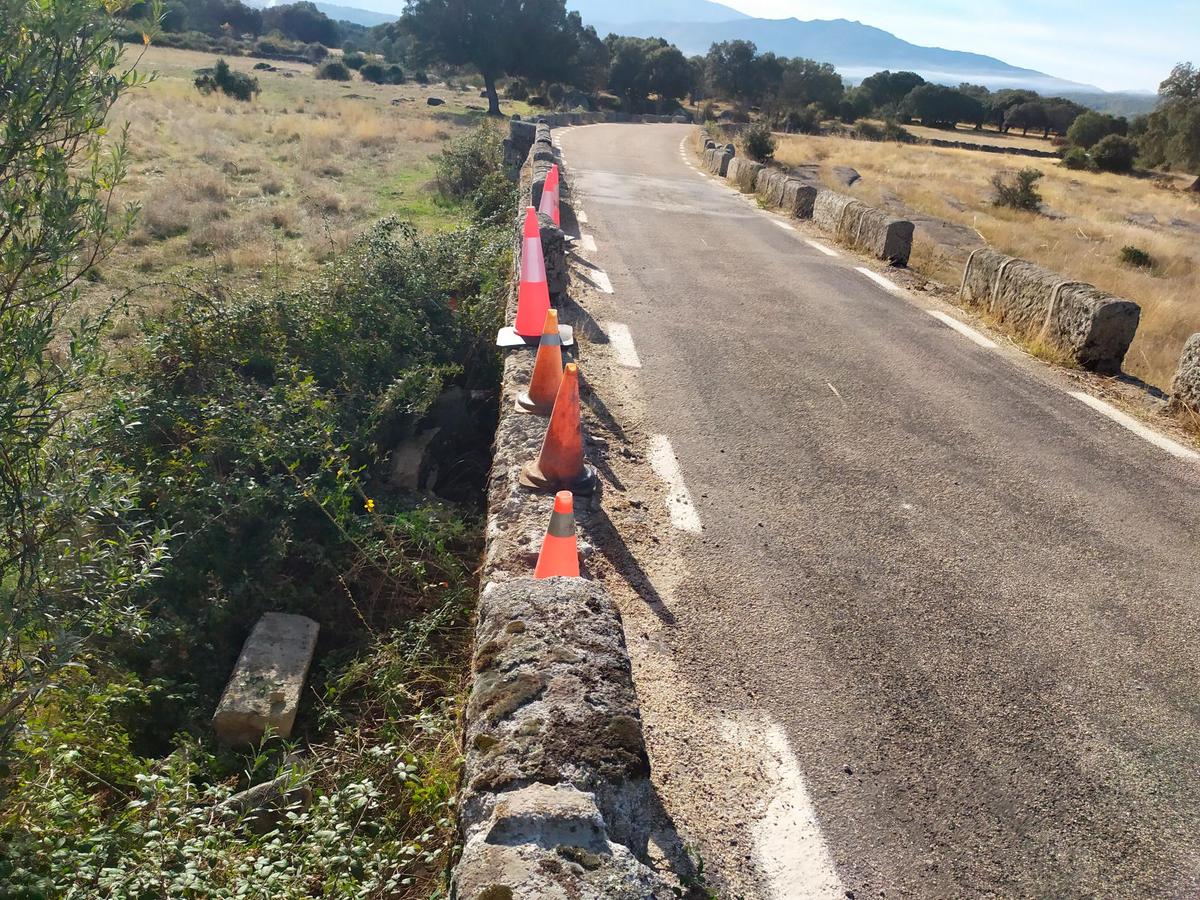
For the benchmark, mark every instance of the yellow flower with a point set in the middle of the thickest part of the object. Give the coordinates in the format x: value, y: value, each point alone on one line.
x: 370, y: 505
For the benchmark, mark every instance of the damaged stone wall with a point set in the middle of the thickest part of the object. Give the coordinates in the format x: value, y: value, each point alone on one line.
x: 1092, y: 327
x: 556, y: 792
x: 863, y: 227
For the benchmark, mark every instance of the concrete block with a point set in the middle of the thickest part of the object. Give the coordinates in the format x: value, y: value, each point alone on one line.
x: 267, y: 681
x: 1185, y: 391
x: 1094, y: 328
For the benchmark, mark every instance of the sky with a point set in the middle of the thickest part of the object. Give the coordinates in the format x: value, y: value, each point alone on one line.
x: 1114, y: 44
x: 1117, y: 45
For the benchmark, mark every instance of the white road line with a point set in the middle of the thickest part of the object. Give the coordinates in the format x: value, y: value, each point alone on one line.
x: 1158, y: 440
x: 784, y: 225
x: 679, y: 501
x: 622, y: 344
x: 818, y: 246
x: 885, y: 283
x: 587, y: 242
x: 600, y: 279
x: 962, y: 329
x: 581, y: 217
x: 789, y: 847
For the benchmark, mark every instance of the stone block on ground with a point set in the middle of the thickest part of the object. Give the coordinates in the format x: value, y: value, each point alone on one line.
x: 863, y: 227
x: 744, y: 173
x: 1092, y: 327
x: 1185, y: 390
x: 267, y: 682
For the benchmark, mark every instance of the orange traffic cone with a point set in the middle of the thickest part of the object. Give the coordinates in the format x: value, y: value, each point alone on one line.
x: 533, y: 293
x: 560, y: 555
x: 549, y: 204
x: 560, y: 465
x: 547, y: 371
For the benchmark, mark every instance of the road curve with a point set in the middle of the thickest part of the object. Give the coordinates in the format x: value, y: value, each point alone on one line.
x: 968, y: 600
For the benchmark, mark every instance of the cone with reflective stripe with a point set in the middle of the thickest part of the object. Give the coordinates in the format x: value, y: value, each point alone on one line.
x: 560, y: 465
x: 533, y: 294
x: 560, y: 554
x: 547, y: 371
x: 549, y: 204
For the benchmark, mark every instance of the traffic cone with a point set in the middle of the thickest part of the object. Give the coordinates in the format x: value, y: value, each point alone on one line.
x: 547, y: 371
x: 533, y: 293
x: 560, y: 465
x: 549, y: 204
x: 560, y: 554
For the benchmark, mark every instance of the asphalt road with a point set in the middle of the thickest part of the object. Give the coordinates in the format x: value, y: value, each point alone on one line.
x: 969, y: 600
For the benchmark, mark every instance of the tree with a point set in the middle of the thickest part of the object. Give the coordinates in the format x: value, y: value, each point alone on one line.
x: 70, y: 571
x: 888, y: 89
x: 938, y: 106
x: 804, y: 81
x: 1171, y: 134
x: 641, y: 67
x: 1061, y: 115
x: 1114, y: 153
x: 1002, y: 101
x: 1030, y: 114
x: 732, y: 70
x: 1089, y: 128
x: 302, y: 22
x: 535, y: 39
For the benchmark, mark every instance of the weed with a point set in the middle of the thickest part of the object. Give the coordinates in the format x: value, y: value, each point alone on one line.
x: 1136, y: 257
x: 1017, y: 191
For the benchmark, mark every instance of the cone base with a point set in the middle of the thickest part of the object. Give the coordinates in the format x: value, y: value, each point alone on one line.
x: 526, y: 404
x: 531, y: 477
x: 507, y: 337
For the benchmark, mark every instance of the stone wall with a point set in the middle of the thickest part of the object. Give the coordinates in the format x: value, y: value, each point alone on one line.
x: 863, y: 227
x: 777, y: 189
x: 744, y: 173
x: 717, y: 159
x: 556, y: 796
x: 1185, y: 391
x: 1093, y: 328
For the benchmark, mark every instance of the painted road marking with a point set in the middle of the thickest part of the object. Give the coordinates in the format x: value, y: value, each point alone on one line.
x: 581, y: 217
x: 789, y: 847
x: 600, y: 280
x: 885, y: 283
x: 679, y: 501
x: 622, y: 344
x: 962, y: 329
x: 784, y: 225
x: 1158, y: 440
x: 587, y: 242
x: 818, y: 246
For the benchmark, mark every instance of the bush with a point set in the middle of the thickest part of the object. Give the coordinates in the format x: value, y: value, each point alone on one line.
x: 1076, y: 159
x: 758, y: 142
x: 555, y: 93
x: 334, y: 71
x: 1114, y: 154
x: 1136, y: 257
x: 516, y: 90
x: 1017, y: 191
x: 708, y: 112
x: 804, y: 121
x: 237, y: 85
x: 354, y: 60
x: 466, y: 162
x: 394, y: 75
x: 421, y: 77
x: 374, y: 73
x: 314, y: 53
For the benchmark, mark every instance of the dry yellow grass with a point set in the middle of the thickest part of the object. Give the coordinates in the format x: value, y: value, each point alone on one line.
x: 988, y: 136
x: 1081, y: 237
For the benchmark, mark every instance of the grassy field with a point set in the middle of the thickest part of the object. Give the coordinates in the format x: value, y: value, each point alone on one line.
x: 986, y: 136
x: 1087, y: 219
x: 265, y: 191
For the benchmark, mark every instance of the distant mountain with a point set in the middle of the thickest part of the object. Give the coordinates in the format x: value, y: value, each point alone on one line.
x: 856, y: 50
x: 338, y: 13
x: 619, y: 12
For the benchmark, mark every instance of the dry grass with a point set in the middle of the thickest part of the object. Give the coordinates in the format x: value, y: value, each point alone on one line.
x: 985, y: 136
x: 1082, y: 235
x: 268, y: 189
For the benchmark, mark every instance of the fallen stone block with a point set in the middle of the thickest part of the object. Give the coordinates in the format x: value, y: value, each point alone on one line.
x: 1092, y: 327
x: 1185, y: 391
x: 264, y: 690
x: 264, y: 807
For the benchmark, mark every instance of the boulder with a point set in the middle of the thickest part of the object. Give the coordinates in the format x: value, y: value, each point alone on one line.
x: 1185, y: 391
x: 435, y: 101
x: 264, y: 807
x: 846, y: 175
x: 1092, y: 327
x: 264, y: 689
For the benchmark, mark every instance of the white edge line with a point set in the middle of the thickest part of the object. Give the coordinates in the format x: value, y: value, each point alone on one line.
x: 587, y: 242
x: 962, y: 329
x: 679, y: 501
x: 1126, y: 421
x: 885, y: 283
x: 819, y: 246
x: 581, y: 217
x: 622, y: 344
x: 784, y: 225
x: 600, y: 280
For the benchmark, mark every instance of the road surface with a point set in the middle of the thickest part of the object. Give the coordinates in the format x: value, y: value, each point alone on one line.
x: 953, y: 604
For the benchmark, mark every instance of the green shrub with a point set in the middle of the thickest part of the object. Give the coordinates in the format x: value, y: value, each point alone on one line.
x: 315, y: 52
x: 1114, y: 154
x: 1076, y: 159
x: 334, y: 71
x: 466, y: 162
x: 758, y: 142
x: 237, y: 85
x: 374, y: 73
x: 1017, y: 191
x: 804, y: 121
x: 420, y: 77
x: 1136, y: 257
x: 354, y: 60
x: 394, y: 75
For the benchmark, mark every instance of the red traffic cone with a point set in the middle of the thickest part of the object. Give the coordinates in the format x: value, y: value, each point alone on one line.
x: 560, y: 465
x: 547, y: 371
x: 533, y: 294
x: 549, y: 204
x: 560, y: 554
